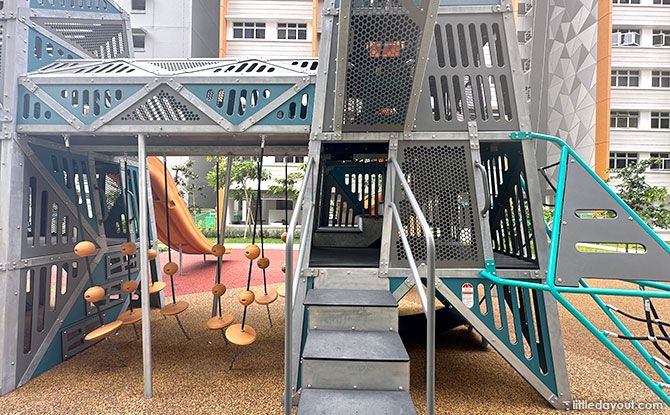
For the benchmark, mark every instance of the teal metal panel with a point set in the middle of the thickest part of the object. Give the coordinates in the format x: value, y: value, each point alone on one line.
x: 32, y: 110
x: 96, y: 6
x: 87, y: 102
x: 296, y: 111
x: 396, y: 282
x: 237, y: 102
x: 70, y: 171
x: 525, y: 334
x: 43, y: 51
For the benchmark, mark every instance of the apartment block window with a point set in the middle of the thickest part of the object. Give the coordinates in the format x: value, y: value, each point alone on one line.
x: 621, y: 160
x: 290, y: 159
x: 660, y: 79
x: 625, y: 1
x: 663, y: 161
x: 624, y: 119
x: 661, y: 37
x: 660, y: 120
x: 662, y: 2
x: 292, y: 31
x: 139, y: 39
x: 248, y: 30
x: 138, y: 6
x: 626, y: 37
x: 625, y: 78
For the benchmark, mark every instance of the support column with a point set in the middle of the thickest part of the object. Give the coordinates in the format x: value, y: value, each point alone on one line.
x: 144, y: 271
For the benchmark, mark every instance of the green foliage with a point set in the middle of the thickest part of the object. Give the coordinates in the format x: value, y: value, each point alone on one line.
x: 647, y: 201
x: 291, y: 182
x: 185, y: 179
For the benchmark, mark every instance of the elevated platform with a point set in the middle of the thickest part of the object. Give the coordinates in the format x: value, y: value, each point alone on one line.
x: 199, y: 99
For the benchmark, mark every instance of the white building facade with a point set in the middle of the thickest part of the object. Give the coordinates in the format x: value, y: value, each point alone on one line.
x: 174, y: 28
x: 640, y: 113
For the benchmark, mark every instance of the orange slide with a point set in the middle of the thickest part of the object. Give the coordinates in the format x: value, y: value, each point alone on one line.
x: 183, y: 230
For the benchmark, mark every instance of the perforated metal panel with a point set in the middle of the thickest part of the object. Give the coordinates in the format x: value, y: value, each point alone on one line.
x: 383, y: 45
x: 100, y: 6
x: 512, y: 229
x: 72, y: 338
x: 163, y: 104
x: 117, y: 266
x: 468, y: 77
x: 100, y: 38
x: 440, y: 175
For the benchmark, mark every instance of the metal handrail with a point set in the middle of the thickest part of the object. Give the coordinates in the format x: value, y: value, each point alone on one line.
x: 427, y: 299
x: 289, y: 278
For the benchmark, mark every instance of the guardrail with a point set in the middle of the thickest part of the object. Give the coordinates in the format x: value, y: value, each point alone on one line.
x: 291, y: 279
x: 427, y: 298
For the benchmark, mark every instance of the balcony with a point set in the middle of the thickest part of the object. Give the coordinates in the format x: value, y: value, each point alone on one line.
x: 636, y: 98
x: 639, y: 140
x: 640, y: 57
x: 639, y: 16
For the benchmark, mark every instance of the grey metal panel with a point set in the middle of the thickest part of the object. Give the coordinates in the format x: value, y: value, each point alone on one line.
x: 382, y: 52
x: 114, y: 296
x: 469, y: 76
x: 338, y: 402
x: 72, y: 338
x: 584, y: 193
x: 117, y: 265
x: 367, y: 298
x: 347, y: 374
x: 352, y: 345
x: 450, y: 205
x: 353, y: 318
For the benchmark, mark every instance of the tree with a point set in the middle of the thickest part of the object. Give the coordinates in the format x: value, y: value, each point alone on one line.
x: 185, y: 179
x: 647, y: 201
x: 243, y: 182
x: 290, y: 181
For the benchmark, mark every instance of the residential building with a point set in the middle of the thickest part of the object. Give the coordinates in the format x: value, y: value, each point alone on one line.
x: 175, y: 28
x: 640, y: 103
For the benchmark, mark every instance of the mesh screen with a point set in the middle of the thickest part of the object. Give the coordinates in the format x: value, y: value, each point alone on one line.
x: 101, y: 39
x: 440, y: 177
x: 384, y: 42
x: 162, y: 106
x: 174, y: 66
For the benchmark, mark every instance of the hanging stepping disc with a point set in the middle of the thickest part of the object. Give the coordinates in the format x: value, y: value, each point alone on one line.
x: 129, y: 286
x: 103, y: 331
x: 128, y: 248
x: 281, y: 290
x: 235, y: 335
x: 269, y: 298
x: 174, y: 309
x: 84, y: 249
x: 130, y: 316
x: 220, y: 323
x: 152, y: 254
x: 157, y: 286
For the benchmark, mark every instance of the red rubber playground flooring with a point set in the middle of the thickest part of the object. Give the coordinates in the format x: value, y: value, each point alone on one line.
x: 198, y: 276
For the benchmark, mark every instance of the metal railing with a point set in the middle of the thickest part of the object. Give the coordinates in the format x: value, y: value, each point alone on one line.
x: 291, y: 279
x: 427, y: 298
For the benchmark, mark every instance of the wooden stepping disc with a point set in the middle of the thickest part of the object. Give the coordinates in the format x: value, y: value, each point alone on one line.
x: 130, y: 316
x: 235, y: 335
x: 219, y: 323
x: 269, y: 298
x: 174, y: 309
x: 281, y: 290
x: 157, y: 286
x: 103, y: 331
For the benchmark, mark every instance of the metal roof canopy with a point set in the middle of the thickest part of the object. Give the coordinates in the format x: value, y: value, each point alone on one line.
x: 182, y: 106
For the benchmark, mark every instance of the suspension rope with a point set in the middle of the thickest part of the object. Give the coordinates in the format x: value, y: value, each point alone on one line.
x: 80, y: 231
x: 218, y: 233
x: 167, y: 227
x: 253, y: 234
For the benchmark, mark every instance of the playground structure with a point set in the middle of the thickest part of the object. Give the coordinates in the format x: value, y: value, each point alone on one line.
x: 459, y: 217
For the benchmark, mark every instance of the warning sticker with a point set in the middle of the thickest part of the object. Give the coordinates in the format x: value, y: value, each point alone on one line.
x: 468, y: 295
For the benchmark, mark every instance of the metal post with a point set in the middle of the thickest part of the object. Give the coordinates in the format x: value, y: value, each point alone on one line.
x: 181, y: 268
x: 144, y: 274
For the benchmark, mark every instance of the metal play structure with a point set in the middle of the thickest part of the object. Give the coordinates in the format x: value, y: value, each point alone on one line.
x: 422, y: 172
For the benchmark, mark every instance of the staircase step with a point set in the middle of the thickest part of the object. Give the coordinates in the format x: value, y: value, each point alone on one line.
x: 355, y: 345
x: 360, y: 402
x: 342, y: 298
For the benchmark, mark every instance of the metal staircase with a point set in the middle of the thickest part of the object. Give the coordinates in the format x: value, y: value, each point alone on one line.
x: 353, y: 357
